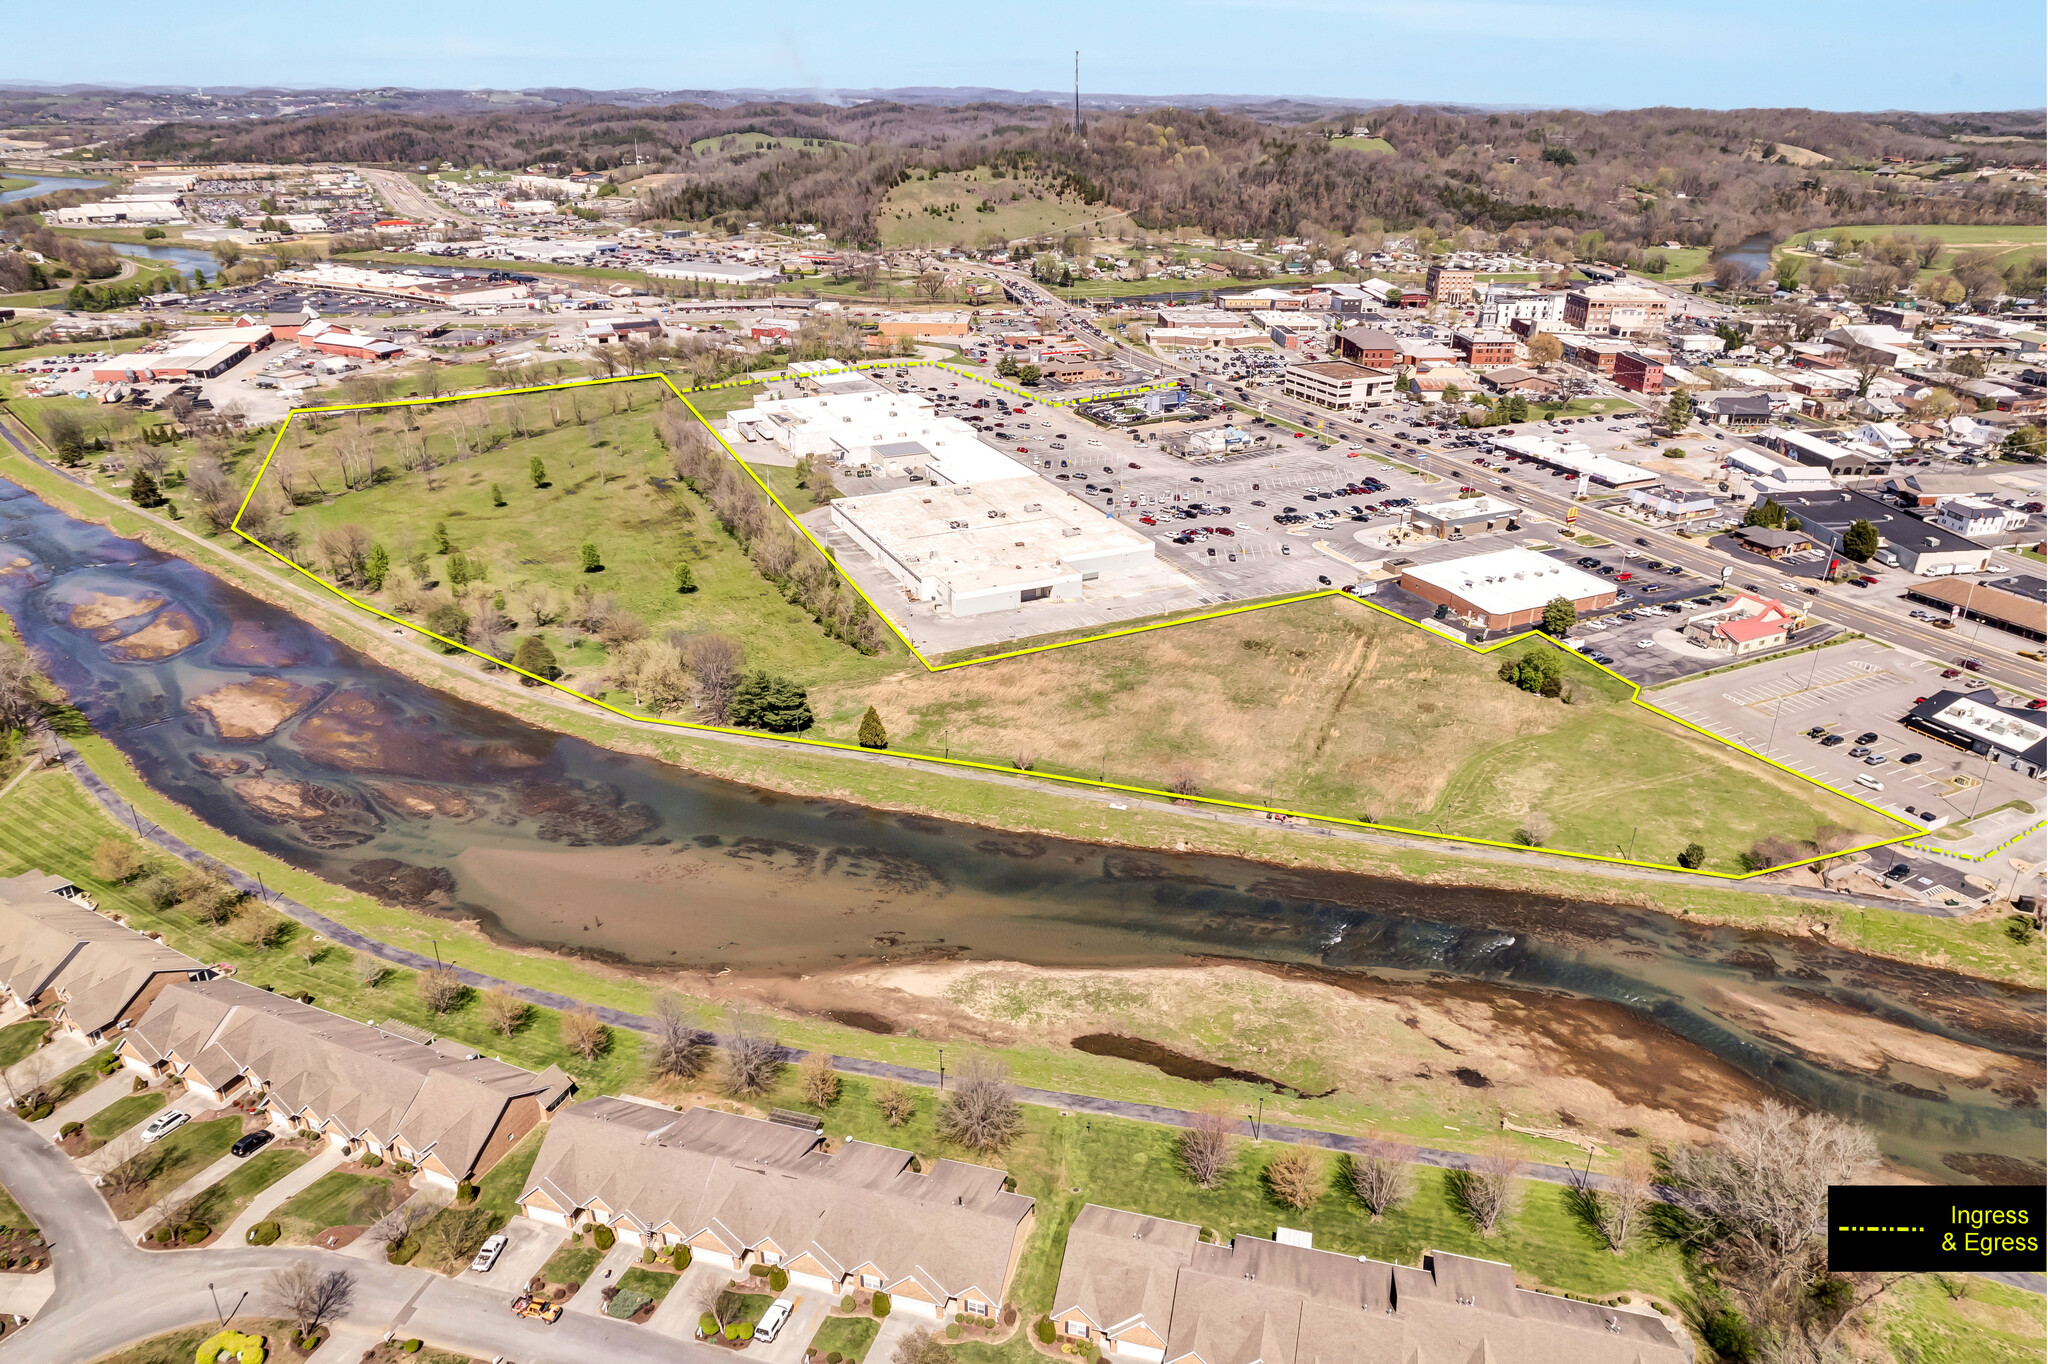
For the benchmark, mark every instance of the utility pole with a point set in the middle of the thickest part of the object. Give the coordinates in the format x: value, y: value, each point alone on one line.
x: 1077, y: 93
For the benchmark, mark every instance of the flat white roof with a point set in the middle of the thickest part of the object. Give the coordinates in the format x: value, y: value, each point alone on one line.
x: 1467, y: 509
x: 1575, y: 456
x: 2009, y: 732
x: 1509, y: 580
x: 987, y: 534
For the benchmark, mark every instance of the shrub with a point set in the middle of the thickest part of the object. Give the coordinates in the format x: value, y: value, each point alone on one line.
x: 953, y: 1331
x: 834, y: 1357
x: 1728, y: 1334
x: 265, y: 1234
x: 680, y: 1258
x: 68, y: 1128
x: 373, y: 1162
x: 162, y: 1236
x: 760, y: 1271
x: 402, y: 1250
x: 626, y: 1302
x: 648, y: 1256
x: 881, y: 1306
x: 846, y: 1303
x: 604, y: 1238
x: 192, y: 1233
x: 230, y: 1342
x: 412, y: 1347
x: 1044, y: 1330
x: 778, y: 1278
x: 707, y: 1325
x: 1693, y: 857
x: 465, y: 1193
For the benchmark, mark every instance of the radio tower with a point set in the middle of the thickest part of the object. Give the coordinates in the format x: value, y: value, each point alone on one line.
x: 1077, y: 93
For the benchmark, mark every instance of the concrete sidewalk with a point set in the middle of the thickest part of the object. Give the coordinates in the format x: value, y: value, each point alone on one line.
x: 236, y: 1233
x: 589, y: 1299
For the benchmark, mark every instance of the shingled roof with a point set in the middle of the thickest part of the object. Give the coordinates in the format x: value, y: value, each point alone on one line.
x: 54, y: 946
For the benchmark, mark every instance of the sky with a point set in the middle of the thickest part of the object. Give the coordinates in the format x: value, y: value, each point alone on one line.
x: 1828, y: 54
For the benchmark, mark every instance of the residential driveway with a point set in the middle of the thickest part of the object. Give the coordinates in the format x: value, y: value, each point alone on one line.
x: 49, y: 1061
x: 23, y: 1295
x: 589, y: 1299
x: 117, y: 1086
x: 236, y: 1233
x: 894, y: 1327
x: 677, y: 1315
x: 129, y: 1142
x: 199, y: 1183
x: 795, y: 1337
x: 531, y: 1242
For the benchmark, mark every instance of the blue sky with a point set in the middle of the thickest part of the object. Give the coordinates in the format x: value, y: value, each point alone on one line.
x: 1832, y: 54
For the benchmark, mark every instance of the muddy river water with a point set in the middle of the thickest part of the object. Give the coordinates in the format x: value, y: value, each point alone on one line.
x: 282, y: 737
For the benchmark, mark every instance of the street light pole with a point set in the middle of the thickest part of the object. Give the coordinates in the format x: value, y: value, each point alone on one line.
x: 942, y: 1068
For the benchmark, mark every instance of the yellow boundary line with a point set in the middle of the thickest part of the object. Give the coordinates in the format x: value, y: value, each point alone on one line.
x: 1636, y: 692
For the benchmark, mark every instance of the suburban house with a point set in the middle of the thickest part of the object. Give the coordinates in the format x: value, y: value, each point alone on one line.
x: 938, y: 1236
x: 64, y: 960
x: 1748, y: 624
x: 1152, y: 1290
x: 388, y: 1091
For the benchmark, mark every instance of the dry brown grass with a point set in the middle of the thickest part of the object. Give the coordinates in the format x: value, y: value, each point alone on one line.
x: 1321, y: 704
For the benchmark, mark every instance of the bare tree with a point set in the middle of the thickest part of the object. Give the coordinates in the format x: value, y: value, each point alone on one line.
x: 347, y: 551
x: 678, y: 1052
x: 1295, y: 1175
x: 817, y: 1079
x: 753, y: 1058
x: 1486, y: 1191
x: 20, y: 706
x: 1379, y: 1174
x: 441, y: 989
x: 401, y: 1222
x: 584, y: 1034
x: 371, y: 973
x: 1208, y: 1147
x: 714, y: 662
x: 921, y: 1345
x: 504, y: 1011
x: 980, y: 1112
x: 308, y: 1295
x: 1760, y: 1193
x: 895, y: 1102
x: 1628, y: 1192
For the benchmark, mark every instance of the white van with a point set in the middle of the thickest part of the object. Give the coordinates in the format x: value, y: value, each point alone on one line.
x: 774, y: 1319
x: 1872, y: 782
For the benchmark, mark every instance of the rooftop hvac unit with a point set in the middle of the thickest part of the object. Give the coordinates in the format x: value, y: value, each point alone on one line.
x: 956, y: 525
x: 1034, y: 506
x: 1070, y: 530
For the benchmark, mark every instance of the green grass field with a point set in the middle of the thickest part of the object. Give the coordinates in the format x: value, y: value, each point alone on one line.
x: 122, y: 1114
x: 75, y: 1081
x: 1065, y: 1162
x: 220, y: 1204
x: 850, y: 1336
x: 1020, y: 207
x: 1363, y: 144
x: 730, y: 144
x: 11, y: 1215
x: 336, y: 1199
x: 175, y: 1159
x: 19, y: 1039
x: 1679, y: 262
x: 608, y: 483
x: 180, y: 1347
x: 2009, y: 243
x: 653, y: 1282
x: 1962, y: 1319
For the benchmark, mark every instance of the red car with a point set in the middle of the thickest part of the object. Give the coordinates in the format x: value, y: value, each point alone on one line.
x: 1150, y: 521
x: 1023, y: 449
x: 2036, y: 704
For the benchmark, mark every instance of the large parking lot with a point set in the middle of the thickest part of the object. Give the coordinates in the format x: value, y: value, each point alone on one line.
x: 1789, y: 709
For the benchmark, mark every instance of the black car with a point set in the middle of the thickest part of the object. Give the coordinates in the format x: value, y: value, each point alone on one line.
x: 1868, y: 736
x: 250, y: 1144
x: 1910, y: 758
x: 1832, y: 741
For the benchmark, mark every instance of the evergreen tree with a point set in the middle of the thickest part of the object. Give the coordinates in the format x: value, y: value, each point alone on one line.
x: 537, y: 471
x: 1678, y: 411
x: 686, y: 581
x: 450, y: 622
x: 459, y: 573
x: 1859, y: 542
x: 1765, y: 513
x: 143, y: 490
x: 376, y: 566
x: 497, y: 498
x: 441, y: 543
x: 1693, y: 857
x: 872, y: 735
x: 534, y: 656
x: 776, y: 704
x: 592, y: 563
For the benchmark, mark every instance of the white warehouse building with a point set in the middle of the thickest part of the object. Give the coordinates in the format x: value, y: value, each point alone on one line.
x: 875, y: 432
x: 991, y: 546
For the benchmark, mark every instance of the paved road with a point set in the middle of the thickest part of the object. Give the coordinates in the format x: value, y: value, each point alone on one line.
x: 109, y: 1294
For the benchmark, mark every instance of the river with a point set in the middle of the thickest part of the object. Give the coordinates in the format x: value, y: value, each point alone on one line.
x: 186, y: 258
x: 352, y: 771
x: 1753, y: 252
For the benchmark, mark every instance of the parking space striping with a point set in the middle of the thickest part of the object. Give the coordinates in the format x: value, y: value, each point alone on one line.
x: 452, y: 645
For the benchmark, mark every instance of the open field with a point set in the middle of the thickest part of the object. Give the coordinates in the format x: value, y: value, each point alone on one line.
x: 1325, y: 706
x: 1963, y: 1319
x: 1679, y: 262
x: 1363, y: 144
x: 734, y: 143
x: 607, y: 482
x: 947, y: 209
x: 2008, y: 244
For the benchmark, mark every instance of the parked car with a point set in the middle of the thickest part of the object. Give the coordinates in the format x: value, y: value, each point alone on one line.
x: 165, y: 1123
x: 250, y: 1143
x: 487, y: 1254
x: 1833, y: 741
x: 774, y: 1319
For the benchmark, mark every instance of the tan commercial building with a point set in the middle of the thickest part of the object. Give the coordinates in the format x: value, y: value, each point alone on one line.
x: 1617, y: 307
x: 1506, y: 589
x: 1337, y: 384
x: 741, y: 1191
x: 1147, y: 1289
x: 924, y: 324
x: 1447, y: 285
